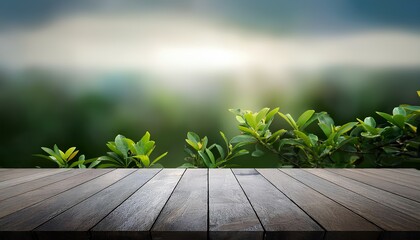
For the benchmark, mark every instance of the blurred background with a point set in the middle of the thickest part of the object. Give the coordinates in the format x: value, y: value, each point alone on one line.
x: 77, y: 73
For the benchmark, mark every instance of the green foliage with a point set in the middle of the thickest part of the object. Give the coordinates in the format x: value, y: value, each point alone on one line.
x: 364, y: 143
x: 125, y: 153
x: 64, y: 159
x: 353, y: 144
x: 214, y: 156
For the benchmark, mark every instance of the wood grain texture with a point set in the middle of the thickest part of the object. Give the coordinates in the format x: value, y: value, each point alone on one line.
x: 20, y: 172
x: 185, y: 214
x: 394, y: 201
x: 89, y: 212
x: 280, y: 217
x: 27, y: 199
x: 406, y: 171
x: 35, y: 184
x: 338, y: 221
x: 230, y: 213
x: 395, y: 188
x: 385, y: 217
x: 94, y: 204
x: 136, y: 215
x: 31, y: 217
x: 29, y: 178
x: 383, y: 174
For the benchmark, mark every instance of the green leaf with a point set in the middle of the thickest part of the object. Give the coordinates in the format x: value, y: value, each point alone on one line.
x: 121, y: 145
x: 368, y: 128
x: 304, y: 118
x: 240, y: 153
x: 412, y: 108
x: 271, y: 114
x: 221, y: 151
x: 326, y: 119
x: 158, y: 158
x: 69, y: 152
x: 261, y: 114
x: 370, y: 121
x: 57, y: 157
x: 131, y: 145
x: 74, y: 164
x: 211, y: 156
x: 112, y: 147
x: 144, y: 160
x: 304, y: 137
x: 399, y: 120
x: 258, y: 152
x: 242, y: 138
x: 205, y: 158
x: 73, y: 155
x: 145, y: 138
x: 240, y: 119
x: 250, y: 120
x: 224, y: 139
x: 277, y: 134
x: 345, y: 128
x: 289, y: 119
x: 387, y: 117
x: 313, y: 138
x: 246, y: 130
x: 192, y: 144
x: 399, y: 111
x: 193, y: 137
x: 325, y: 129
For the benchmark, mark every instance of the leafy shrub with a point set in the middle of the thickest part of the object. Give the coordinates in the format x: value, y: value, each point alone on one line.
x: 63, y: 159
x: 214, y: 156
x: 353, y: 144
x: 125, y: 153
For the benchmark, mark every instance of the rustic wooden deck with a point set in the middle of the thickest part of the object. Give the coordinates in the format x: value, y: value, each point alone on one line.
x: 209, y: 204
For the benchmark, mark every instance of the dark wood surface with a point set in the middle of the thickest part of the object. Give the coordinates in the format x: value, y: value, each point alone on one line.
x: 209, y: 204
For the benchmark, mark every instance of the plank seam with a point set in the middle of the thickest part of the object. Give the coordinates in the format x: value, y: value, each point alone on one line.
x: 166, y: 202
x: 333, y: 199
x: 84, y: 199
x: 208, y: 204
x: 54, y: 195
x: 253, y: 209
x: 382, y: 188
x: 325, y: 230
x: 37, y: 187
x: 90, y: 229
x: 389, y: 206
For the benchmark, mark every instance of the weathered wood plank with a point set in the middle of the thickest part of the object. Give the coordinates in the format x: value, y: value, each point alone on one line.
x: 385, y: 217
x: 31, y: 217
x: 136, y: 215
x: 27, y: 199
x: 383, y: 174
x: 29, y: 186
x: 29, y: 178
x: 230, y: 213
x: 185, y: 214
x: 20, y: 172
x: 338, y: 221
x: 397, y: 202
x: 280, y: 217
x: 406, y: 171
x: 379, y: 183
x: 89, y: 212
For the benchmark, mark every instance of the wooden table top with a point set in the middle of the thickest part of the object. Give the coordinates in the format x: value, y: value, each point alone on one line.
x: 209, y: 203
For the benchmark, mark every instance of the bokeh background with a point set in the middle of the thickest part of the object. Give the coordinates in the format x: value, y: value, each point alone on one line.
x: 76, y: 73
